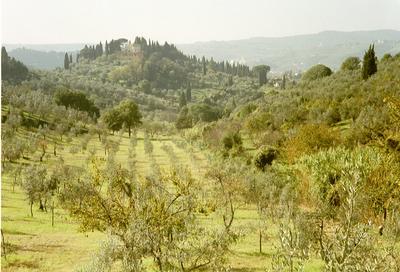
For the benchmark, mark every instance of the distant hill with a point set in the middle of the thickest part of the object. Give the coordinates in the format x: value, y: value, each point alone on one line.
x: 298, y: 52
x: 38, y: 59
x: 58, y: 47
x: 42, y: 56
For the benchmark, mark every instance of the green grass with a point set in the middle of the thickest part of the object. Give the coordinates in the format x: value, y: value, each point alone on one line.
x: 34, y: 245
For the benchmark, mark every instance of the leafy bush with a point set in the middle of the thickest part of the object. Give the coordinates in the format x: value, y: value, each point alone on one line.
x: 76, y: 100
x: 311, y: 138
x: 316, y: 72
x: 328, y: 168
x: 264, y: 157
x: 351, y: 63
x: 232, y: 140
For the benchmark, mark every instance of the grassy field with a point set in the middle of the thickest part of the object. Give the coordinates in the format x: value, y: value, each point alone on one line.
x: 34, y: 245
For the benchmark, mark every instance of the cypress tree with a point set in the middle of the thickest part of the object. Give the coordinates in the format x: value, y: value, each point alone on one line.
x: 189, y: 93
x: 4, y: 61
x: 182, y: 100
x: 204, y: 65
x: 66, y: 61
x: 101, y: 49
x: 70, y: 58
x: 369, y: 63
x: 230, y: 80
x: 284, y: 82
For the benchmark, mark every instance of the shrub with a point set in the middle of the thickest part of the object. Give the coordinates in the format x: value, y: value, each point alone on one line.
x: 329, y: 170
x: 311, y: 138
x: 232, y: 140
x: 316, y: 72
x: 264, y: 157
x: 351, y: 64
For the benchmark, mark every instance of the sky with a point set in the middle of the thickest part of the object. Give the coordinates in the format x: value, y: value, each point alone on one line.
x: 187, y: 21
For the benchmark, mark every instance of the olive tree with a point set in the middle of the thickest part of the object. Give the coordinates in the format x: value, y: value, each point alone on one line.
x: 351, y: 64
x: 341, y: 183
x: 146, y: 218
x: 34, y: 184
x: 227, y: 181
x: 130, y: 114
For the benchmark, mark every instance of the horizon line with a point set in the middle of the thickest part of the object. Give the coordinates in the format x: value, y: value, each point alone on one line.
x: 206, y: 41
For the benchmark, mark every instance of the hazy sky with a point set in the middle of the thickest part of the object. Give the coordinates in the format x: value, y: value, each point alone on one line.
x: 183, y: 21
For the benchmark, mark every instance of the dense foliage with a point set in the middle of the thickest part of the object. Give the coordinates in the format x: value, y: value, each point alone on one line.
x: 369, y: 63
x: 11, y: 69
x: 316, y: 72
x: 76, y: 100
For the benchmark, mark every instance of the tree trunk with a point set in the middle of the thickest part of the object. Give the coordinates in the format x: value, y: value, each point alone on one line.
x: 41, y: 157
x: 13, y: 185
x: 159, y: 263
x: 129, y: 131
x: 384, y: 220
x: 3, y: 245
x: 41, y: 207
x: 52, y: 214
x: 31, y: 208
x: 260, y: 241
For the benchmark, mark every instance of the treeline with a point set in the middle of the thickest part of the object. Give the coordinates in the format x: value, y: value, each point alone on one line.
x: 94, y: 51
x: 231, y: 68
x: 147, y: 47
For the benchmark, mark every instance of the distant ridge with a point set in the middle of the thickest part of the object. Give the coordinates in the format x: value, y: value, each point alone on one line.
x: 295, y: 53
x: 298, y: 52
x: 57, y: 47
x: 42, y: 56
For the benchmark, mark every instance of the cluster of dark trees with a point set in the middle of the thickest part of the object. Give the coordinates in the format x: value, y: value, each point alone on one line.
x: 113, y: 46
x: 185, y: 97
x: 261, y: 71
x: 94, y: 51
x: 12, y: 70
x: 91, y: 52
x: 67, y: 61
x: 167, y: 50
x: 76, y: 100
x: 235, y: 68
x: 148, y: 47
